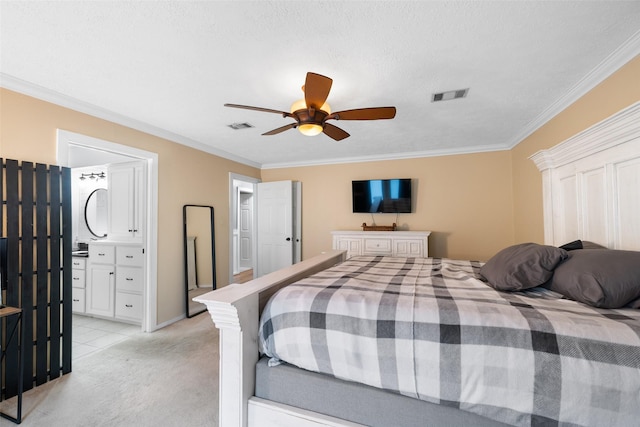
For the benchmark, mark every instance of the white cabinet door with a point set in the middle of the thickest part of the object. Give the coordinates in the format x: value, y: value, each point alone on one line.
x: 126, y: 201
x: 408, y: 248
x: 100, y: 291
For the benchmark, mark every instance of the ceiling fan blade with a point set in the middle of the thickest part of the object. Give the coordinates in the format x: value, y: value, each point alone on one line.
x: 281, y: 129
x: 365, y: 114
x: 265, y: 110
x: 334, y: 132
x: 316, y: 89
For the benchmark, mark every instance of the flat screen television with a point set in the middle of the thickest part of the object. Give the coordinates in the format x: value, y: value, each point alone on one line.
x: 381, y: 195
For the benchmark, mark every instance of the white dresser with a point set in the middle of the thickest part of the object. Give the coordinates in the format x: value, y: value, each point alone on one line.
x: 392, y: 243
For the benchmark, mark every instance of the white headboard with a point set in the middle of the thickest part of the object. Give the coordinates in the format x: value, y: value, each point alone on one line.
x: 591, y: 184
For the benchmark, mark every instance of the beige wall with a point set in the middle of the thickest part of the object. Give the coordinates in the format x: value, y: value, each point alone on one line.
x: 185, y: 176
x: 620, y: 90
x: 465, y: 200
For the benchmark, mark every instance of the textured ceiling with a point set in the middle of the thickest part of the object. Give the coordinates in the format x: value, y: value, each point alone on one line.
x: 168, y: 67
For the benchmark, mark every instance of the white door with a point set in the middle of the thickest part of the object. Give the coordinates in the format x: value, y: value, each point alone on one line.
x: 245, y: 226
x: 121, y: 202
x: 275, y: 226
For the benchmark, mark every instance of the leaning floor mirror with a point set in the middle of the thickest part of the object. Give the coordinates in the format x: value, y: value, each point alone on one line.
x: 199, y: 255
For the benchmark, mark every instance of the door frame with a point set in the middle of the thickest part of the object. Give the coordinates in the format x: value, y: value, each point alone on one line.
x: 66, y: 140
x: 232, y: 210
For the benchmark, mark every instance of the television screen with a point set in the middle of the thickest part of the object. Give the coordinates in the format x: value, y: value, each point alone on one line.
x: 382, y: 196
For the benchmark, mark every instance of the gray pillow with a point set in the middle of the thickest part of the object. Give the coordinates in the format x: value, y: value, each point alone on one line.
x: 579, y: 244
x: 522, y: 266
x: 599, y: 277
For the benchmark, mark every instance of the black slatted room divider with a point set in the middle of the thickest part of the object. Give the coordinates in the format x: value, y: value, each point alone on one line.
x: 36, y: 221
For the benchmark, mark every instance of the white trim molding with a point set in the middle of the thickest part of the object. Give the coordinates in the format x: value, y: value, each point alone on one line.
x: 65, y: 140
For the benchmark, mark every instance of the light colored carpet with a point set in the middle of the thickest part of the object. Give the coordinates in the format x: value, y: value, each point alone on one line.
x: 165, y: 378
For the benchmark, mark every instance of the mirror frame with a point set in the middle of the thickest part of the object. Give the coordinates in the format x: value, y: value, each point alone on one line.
x: 86, y: 220
x: 213, y: 257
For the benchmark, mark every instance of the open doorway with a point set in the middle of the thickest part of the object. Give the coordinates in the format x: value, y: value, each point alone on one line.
x: 242, y: 228
x: 76, y: 150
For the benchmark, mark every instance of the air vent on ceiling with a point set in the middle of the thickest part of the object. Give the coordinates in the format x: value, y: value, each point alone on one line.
x: 452, y: 94
x: 238, y: 126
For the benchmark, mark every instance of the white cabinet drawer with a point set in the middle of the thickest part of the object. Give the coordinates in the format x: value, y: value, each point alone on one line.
x: 129, y: 279
x: 377, y: 246
x: 128, y: 306
x: 103, y: 254
x: 78, y: 263
x: 408, y: 248
x: 77, y: 300
x: 129, y: 255
x: 77, y: 278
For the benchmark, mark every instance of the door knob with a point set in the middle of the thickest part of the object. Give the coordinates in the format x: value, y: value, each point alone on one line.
x: 288, y: 239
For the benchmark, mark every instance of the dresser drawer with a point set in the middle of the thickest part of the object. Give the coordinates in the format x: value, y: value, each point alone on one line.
x: 129, y: 279
x: 77, y: 300
x: 103, y: 254
x: 78, y: 278
x: 129, y: 255
x: 128, y: 306
x: 78, y: 263
x: 377, y: 246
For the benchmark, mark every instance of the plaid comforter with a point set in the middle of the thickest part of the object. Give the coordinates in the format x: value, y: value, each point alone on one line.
x: 431, y: 329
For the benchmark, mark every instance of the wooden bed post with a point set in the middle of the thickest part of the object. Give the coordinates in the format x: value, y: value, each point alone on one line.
x: 235, y: 309
x: 238, y: 325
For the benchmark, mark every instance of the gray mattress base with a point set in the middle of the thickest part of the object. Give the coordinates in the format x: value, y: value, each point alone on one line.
x: 355, y: 402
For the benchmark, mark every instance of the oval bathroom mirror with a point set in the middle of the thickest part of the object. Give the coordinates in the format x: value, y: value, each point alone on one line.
x: 96, y: 212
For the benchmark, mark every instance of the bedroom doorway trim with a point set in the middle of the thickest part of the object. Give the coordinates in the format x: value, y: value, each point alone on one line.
x: 67, y: 140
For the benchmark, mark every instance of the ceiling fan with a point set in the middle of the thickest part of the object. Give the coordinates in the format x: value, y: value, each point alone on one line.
x: 312, y: 112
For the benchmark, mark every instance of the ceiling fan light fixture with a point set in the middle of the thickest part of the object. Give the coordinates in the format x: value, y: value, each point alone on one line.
x: 300, y: 104
x: 310, y: 129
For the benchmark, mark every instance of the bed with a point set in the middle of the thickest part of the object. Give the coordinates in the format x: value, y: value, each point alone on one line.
x: 485, y: 355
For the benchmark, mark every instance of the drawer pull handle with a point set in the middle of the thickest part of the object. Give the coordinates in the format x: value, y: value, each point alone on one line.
x: 76, y: 278
x: 111, y: 273
x: 128, y: 305
x: 101, y: 254
x: 129, y: 256
x: 129, y: 279
x: 76, y: 300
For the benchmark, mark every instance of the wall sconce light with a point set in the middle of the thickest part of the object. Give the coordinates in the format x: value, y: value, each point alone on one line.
x: 93, y: 175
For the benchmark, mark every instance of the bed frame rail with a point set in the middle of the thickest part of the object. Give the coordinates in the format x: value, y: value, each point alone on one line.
x: 235, y: 309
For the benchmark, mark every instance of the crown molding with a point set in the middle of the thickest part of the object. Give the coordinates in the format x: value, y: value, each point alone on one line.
x: 17, y: 85
x: 612, y: 63
x: 617, y: 129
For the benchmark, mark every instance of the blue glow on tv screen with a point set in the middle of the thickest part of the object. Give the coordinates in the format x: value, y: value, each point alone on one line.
x: 381, y: 195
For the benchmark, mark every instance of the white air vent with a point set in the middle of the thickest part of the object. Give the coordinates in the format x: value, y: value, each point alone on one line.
x: 452, y: 94
x: 238, y: 126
